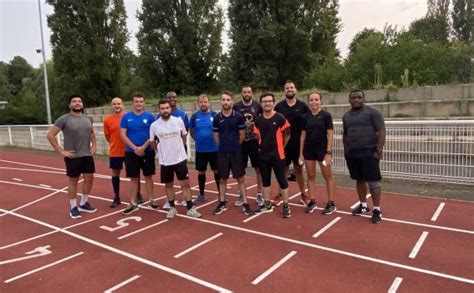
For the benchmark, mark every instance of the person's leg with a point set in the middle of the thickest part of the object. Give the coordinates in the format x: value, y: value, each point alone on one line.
x: 149, y: 187
x: 279, y: 170
x: 330, y: 181
x: 242, y: 188
x: 311, y: 173
x: 116, y: 184
x: 299, y: 177
x: 361, y: 187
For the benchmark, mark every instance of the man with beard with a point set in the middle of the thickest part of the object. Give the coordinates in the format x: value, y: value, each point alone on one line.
x: 293, y: 110
x: 364, y: 138
x: 200, y: 126
x: 169, y: 133
x: 272, y: 130
x: 250, y: 109
x: 139, y: 155
x: 229, y: 132
x: 79, y: 147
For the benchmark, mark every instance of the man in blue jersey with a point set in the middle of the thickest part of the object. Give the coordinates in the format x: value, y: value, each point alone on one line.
x: 229, y: 132
x: 135, y: 131
x: 200, y: 128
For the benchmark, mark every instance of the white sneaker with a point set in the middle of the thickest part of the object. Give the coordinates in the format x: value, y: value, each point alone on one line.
x: 193, y: 213
x: 171, y: 213
x: 183, y: 202
x: 260, y: 201
x: 166, y: 206
x: 239, y: 201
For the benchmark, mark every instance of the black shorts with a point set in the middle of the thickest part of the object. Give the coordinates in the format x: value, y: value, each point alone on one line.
x: 314, y: 154
x: 230, y: 161
x: 278, y: 167
x: 167, y: 172
x: 134, y: 163
x: 202, y: 159
x: 77, y: 166
x: 292, y: 155
x: 116, y: 163
x: 250, y: 150
x: 362, y: 165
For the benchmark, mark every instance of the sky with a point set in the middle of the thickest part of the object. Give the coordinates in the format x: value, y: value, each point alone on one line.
x: 20, y: 29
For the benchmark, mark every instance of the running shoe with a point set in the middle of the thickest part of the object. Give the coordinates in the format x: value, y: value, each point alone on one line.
x: 360, y: 210
x: 277, y: 200
x: 329, y: 209
x: 247, y: 210
x: 192, y: 212
x: 304, y: 199
x: 376, y: 216
x: 139, y: 198
x: 286, y: 211
x: 166, y: 205
x: 200, y: 198
x: 153, y: 204
x: 311, y: 207
x: 264, y: 209
x: 74, y: 213
x: 171, y: 213
x: 239, y: 201
x: 259, y: 199
x: 130, y: 209
x: 87, y: 208
x: 115, y: 202
x: 221, y: 207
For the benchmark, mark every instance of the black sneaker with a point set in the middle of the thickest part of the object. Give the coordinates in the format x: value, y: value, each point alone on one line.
x: 247, y: 210
x: 376, y: 216
x: 360, y: 210
x: 87, y: 208
x: 264, y: 209
x: 221, y: 207
x: 115, y: 202
x: 130, y: 209
x: 329, y: 209
x: 139, y: 198
x: 153, y: 204
x: 286, y: 211
x: 311, y: 207
x: 74, y: 213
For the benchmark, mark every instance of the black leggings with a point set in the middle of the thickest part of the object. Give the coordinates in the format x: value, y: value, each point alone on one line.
x: 278, y: 167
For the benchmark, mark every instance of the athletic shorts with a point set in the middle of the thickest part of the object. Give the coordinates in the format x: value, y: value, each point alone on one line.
x: 167, y: 172
x: 314, y: 154
x: 250, y: 150
x: 204, y: 158
x: 230, y: 161
x: 77, y: 166
x: 292, y: 155
x: 362, y: 165
x: 116, y: 163
x: 278, y: 167
x: 134, y: 163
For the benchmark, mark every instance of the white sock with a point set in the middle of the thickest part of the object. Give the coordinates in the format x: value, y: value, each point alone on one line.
x: 376, y: 208
x: 84, y: 199
x: 364, y: 204
x: 73, y: 203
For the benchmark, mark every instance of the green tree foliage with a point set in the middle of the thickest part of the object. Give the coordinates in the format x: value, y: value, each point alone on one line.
x: 361, y: 36
x: 434, y: 27
x: 18, y: 69
x: 88, y: 39
x: 180, y: 44
x: 463, y: 20
x: 6, y: 87
x: 277, y: 40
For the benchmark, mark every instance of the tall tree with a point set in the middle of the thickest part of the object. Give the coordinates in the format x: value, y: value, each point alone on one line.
x: 180, y: 44
x: 277, y: 40
x: 463, y: 20
x: 88, y: 39
x: 17, y: 70
x: 434, y: 27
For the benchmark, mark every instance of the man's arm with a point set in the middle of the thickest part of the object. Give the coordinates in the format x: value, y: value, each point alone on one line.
x: 302, y: 139
x: 93, y: 147
x: 380, y: 144
x: 216, y: 137
x: 241, y: 135
x: 51, y: 136
x: 286, y: 136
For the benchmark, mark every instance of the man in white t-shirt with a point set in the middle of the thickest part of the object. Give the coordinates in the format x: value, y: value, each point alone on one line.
x: 168, y: 134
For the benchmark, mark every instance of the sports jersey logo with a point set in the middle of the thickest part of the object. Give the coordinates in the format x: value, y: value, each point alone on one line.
x: 129, y: 120
x: 248, y: 117
x: 145, y: 121
x: 212, y: 119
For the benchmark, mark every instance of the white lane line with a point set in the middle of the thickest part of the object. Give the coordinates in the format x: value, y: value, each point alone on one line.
x: 198, y: 245
x: 129, y: 255
x: 142, y: 229
x: 329, y: 225
x: 43, y: 267
x: 358, y: 202
x: 251, y: 186
x: 418, y: 244
x: 273, y: 268
x: 206, y: 204
x: 17, y: 179
x: 29, y: 239
x: 252, y: 217
x: 396, y: 283
x: 438, y: 211
x: 45, y: 185
x: 120, y: 285
x: 296, y: 194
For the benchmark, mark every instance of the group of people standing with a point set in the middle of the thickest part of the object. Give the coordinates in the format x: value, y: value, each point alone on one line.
x: 271, y: 136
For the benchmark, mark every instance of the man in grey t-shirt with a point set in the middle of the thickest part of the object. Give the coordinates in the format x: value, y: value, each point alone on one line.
x: 79, y: 147
x: 364, y: 139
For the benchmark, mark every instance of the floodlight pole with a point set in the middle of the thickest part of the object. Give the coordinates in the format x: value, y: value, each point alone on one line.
x: 45, y: 70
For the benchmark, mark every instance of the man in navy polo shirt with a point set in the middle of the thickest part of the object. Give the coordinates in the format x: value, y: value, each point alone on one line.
x: 229, y: 132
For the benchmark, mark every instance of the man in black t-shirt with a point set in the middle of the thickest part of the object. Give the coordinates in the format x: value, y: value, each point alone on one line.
x: 293, y: 110
x: 364, y: 139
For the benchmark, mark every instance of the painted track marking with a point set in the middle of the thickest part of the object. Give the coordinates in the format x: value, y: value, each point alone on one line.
x: 198, y: 245
x: 120, y: 285
x: 396, y: 283
x: 17, y: 179
x: 329, y: 225
x: 437, y: 212
x: 142, y: 229
x: 418, y: 244
x: 273, y: 268
x: 358, y: 202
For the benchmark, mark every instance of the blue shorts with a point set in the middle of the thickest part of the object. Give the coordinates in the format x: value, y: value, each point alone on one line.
x: 116, y: 163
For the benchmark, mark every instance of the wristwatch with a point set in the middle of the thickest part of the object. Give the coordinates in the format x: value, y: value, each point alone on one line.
x: 329, y: 152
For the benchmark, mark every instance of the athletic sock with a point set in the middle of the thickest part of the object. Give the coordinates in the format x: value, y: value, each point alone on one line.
x: 84, y: 199
x: 73, y: 203
x: 171, y: 203
x: 364, y: 204
x: 116, y: 185
x: 202, y: 182
x: 189, y: 204
x: 217, y: 178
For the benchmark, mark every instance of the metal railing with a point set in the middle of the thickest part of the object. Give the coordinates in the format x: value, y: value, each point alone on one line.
x: 434, y: 151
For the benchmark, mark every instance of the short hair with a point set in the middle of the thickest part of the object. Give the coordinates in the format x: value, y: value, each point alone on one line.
x: 171, y: 94
x: 246, y: 85
x: 137, y: 95
x: 317, y: 93
x: 203, y: 96
x: 267, y: 93
x: 288, y: 81
x: 229, y: 93
x: 164, y: 101
x: 75, y: 96
x: 357, y: 91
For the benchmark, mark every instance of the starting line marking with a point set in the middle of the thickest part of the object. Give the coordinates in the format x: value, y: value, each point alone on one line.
x: 418, y: 244
x: 329, y: 225
x: 142, y: 229
x: 273, y: 268
x: 45, y: 185
x: 438, y: 211
x: 120, y: 285
x: 358, y: 202
x: 396, y: 283
x: 17, y: 179
x: 198, y: 245
x: 43, y: 267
